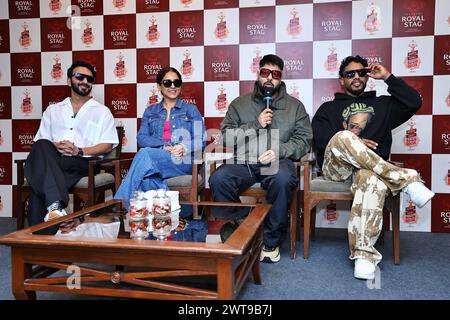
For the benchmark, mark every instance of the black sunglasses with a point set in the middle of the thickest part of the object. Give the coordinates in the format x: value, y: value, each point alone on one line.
x: 351, y: 73
x: 168, y: 83
x: 264, y: 72
x: 82, y: 76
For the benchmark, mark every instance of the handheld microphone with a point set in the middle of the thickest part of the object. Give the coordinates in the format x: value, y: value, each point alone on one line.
x: 268, y: 92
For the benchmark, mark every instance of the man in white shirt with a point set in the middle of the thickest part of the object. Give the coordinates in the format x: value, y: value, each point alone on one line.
x: 71, y: 133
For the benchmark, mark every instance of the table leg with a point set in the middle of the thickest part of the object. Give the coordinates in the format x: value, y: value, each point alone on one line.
x: 20, y: 272
x: 225, y: 280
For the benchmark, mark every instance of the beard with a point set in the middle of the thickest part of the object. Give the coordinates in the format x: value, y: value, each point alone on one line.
x: 358, y: 91
x: 268, y: 84
x: 79, y: 89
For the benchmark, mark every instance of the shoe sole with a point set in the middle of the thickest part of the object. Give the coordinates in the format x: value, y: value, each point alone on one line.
x: 365, y: 276
x: 270, y: 260
x: 423, y: 205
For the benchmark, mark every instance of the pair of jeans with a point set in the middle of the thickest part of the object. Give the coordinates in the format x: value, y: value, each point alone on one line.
x: 229, y: 180
x: 149, y: 170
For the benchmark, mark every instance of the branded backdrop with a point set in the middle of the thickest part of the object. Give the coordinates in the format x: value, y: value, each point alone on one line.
x: 216, y: 45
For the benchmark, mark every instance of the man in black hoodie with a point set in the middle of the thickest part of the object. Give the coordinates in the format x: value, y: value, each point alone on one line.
x: 352, y: 137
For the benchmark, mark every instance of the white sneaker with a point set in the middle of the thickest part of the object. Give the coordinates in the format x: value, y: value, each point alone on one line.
x: 418, y: 193
x: 270, y: 255
x: 55, y: 214
x: 364, y: 269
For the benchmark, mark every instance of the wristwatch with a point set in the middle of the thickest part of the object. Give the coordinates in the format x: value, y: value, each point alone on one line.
x: 80, y: 152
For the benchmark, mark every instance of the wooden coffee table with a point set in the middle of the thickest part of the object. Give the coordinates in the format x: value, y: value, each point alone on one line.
x: 124, y: 267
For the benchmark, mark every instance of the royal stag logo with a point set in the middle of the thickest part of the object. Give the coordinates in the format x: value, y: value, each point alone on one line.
x: 294, y: 27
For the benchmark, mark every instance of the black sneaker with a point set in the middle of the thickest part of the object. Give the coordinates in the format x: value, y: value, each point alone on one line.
x: 270, y: 255
x: 227, y: 230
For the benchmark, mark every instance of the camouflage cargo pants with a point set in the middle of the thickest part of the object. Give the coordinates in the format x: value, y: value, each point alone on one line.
x: 347, y: 157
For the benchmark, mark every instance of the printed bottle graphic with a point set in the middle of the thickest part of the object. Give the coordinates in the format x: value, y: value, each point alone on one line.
x: 153, y: 33
x: 186, y: 68
x: 331, y: 214
x: 410, y: 215
x: 254, y: 66
x: 221, y: 103
x: 294, y: 91
x: 186, y: 3
x: 331, y: 65
x: 88, y: 36
x: 411, y: 139
x: 221, y: 31
x: 412, y: 60
x: 56, y: 73
x: 55, y: 6
x: 153, y: 98
x: 119, y: 4
x: 25, y: 38
x: 294, y: 27
x: 119, y: 70
x: 26, y: 107
x: 373, y: 20
x: 447, y: 99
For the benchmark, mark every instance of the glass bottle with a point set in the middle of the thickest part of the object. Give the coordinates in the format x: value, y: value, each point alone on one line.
x: 138, y: 216
x: 161, y: 210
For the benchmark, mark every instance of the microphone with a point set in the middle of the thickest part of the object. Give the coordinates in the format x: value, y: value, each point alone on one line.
x: 268, y: 92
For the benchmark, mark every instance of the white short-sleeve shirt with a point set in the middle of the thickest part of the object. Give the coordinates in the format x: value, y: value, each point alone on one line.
x: 93, y: 124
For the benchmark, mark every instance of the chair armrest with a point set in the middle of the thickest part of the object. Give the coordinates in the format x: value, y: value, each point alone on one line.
x: 20, y: 173
x: 118, y: 165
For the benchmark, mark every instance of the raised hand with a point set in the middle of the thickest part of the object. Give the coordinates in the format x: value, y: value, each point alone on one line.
x: 265, y: 117
x: 378, y: 71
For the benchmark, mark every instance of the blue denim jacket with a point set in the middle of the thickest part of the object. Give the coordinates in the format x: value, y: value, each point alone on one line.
x: 186, y: 127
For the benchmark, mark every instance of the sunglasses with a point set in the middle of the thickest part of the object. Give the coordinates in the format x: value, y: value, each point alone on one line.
x: 264, y: 72
x: 361, y: 72
x: 82, y: 76
x: 168, y: 83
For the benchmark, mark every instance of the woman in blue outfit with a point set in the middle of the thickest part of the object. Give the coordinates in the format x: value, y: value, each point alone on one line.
x: 171, y: 133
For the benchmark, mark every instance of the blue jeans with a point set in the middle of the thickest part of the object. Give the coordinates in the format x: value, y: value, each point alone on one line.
x: 149, y: 170
x: 231, y: 179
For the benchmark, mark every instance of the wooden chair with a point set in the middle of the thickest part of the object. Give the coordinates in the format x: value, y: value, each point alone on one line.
x: 317, y: 189
x: 259, y: 194
x: 190, y: 187
x: 89, y: 189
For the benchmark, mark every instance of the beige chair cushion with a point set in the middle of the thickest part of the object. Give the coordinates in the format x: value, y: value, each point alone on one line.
x: 101, y: 179
x: 183, y: 181
x: 322, y: 185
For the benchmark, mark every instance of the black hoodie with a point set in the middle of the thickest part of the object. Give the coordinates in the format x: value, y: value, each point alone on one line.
x: 390, y: 112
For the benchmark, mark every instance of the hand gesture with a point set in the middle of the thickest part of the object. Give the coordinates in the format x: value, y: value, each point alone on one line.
x: 178, y: 151
x: 378, y: 71
x: 267, y: 157
x: 370, y: 143
x: 265, y: 117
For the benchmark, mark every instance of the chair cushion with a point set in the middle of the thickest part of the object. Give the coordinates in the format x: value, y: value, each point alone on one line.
x: 322, y: 185
x: 101, y: 179
x: 183, y: 181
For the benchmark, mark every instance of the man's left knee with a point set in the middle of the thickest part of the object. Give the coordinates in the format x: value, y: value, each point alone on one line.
x: 285, y: 179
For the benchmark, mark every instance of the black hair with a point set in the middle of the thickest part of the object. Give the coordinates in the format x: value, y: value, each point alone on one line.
x: 164, y: 71
x: 346, y: 61
x: 78, y: 63
x: 271, y: 59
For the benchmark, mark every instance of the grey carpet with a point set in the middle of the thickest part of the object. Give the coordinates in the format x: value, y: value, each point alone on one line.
x: 327, y: 274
